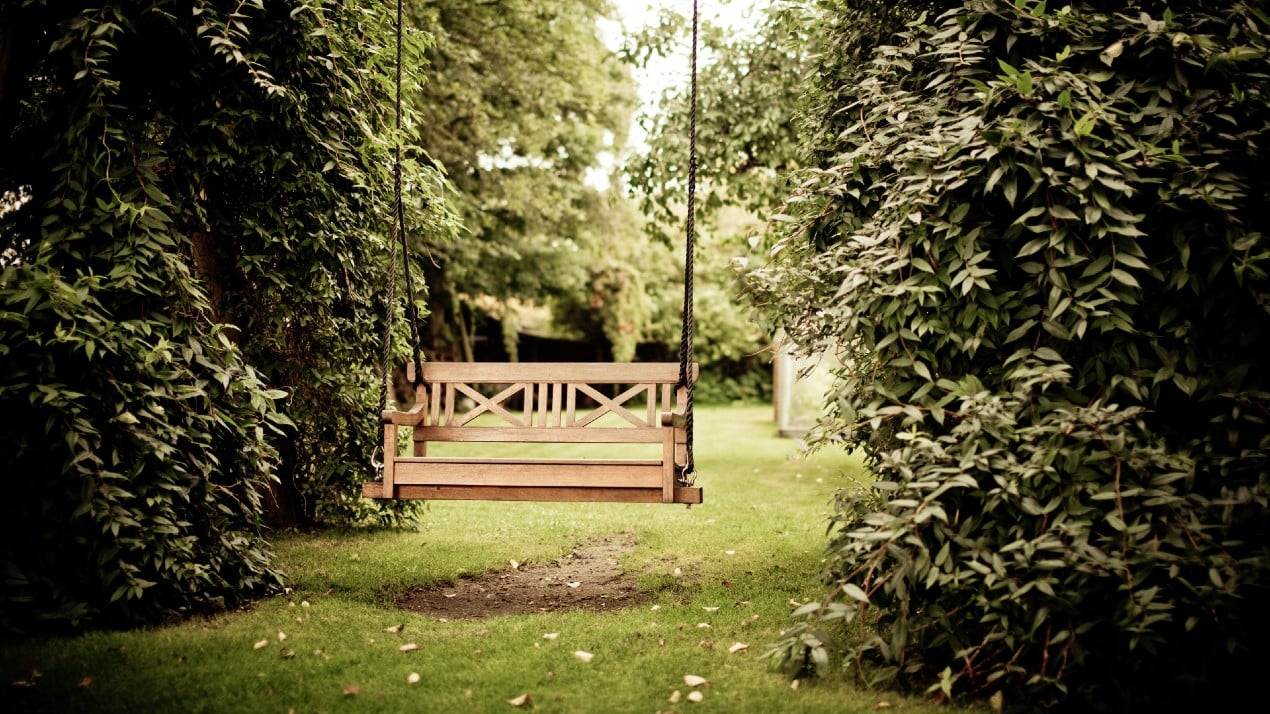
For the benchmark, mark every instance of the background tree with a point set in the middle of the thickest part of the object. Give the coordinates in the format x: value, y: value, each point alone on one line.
x: 523, y: 99
x: 1034, y: 233
x: 189, y: 276
x: 749, y: 83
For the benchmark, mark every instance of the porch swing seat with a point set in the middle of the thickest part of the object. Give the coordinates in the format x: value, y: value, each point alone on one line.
x: 536, y: 403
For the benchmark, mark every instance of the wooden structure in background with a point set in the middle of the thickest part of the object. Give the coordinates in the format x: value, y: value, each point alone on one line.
x: 539, y: 403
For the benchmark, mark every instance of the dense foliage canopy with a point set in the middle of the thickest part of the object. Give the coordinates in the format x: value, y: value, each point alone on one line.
x: 1035, y: 232
x: 191, y: 204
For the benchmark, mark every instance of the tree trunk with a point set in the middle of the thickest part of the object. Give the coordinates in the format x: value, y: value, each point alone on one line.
x: 282, y: 502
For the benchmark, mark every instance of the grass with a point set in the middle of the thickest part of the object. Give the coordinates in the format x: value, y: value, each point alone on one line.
x: 751, y: 548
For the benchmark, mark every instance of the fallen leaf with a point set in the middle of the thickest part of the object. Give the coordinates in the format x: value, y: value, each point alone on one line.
x: 729, y: 552
x: 395, y: 628
x: 703, y: 625
x: 573, y: 584
x: 695, y: 696
x: 738, y: 647
x: 523, y: 700
x: 287, y: 654
x: 515, y: 565
x: 551, y: 635
x: 304, y: 603
x: 282, y: 636
x: 410, y: 647
x: 678, y: 572
x: 85, y: 683
x: 882, y: 705
x: 794, y: 603
x: 793, y: 684
x: 710, y: 609
x: 655, y: 607
x: 451, y: 594
x: 706, y: 645
x: 674, y: 697
x: 413, y: 678
x: 352, y: 690
x: 693, y: 680
x: 584, y: 656
x: 996, y: 701
x: 260, y: 645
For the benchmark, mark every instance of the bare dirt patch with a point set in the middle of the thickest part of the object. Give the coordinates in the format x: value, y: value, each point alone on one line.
x: 588, y: 578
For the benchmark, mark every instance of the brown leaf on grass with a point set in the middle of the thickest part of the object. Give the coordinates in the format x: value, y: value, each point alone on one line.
x: 584, y: 656
x: 282, y: 636
x: 738, y: 647
x: 413, y: 678
x: 524, y: 700
x: 352, y: 690
x: 882, y: 704
x: 287, y: 654
x: 395, y: 628
x: 411, y: 647
x: 260, y: 645
x: 674, y: 697
x: 693, y: 680
x: 85, y: 683
x: 695, y: 696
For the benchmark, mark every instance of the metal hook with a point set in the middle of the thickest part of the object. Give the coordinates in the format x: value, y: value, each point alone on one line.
x: 376, y: 463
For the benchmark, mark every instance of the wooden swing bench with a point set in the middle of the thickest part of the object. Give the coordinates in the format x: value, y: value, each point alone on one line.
x: 539, y: 403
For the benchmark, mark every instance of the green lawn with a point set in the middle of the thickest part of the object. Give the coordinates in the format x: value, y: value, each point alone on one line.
x: 754, y: 546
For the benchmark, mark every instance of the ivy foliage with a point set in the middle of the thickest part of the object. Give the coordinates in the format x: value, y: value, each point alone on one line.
x: 189, y: 291
x: 1035, y: 232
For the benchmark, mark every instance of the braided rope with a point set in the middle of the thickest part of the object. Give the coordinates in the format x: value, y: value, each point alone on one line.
x: 689, y: 473
x: 397, y: 236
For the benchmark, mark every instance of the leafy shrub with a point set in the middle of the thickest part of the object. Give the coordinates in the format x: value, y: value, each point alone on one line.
x: 184, y: 204
x: 1035, y: 234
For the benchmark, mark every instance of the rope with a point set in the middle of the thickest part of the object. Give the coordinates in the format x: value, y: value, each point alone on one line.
x: 397, y: 237
x: 689, y: 473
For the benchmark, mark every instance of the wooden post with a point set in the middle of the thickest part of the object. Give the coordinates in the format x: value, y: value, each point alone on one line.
x: 390, y: 454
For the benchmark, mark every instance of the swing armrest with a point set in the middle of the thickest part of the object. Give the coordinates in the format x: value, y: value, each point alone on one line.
x: 674, y: 419
x: 414, y: 417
